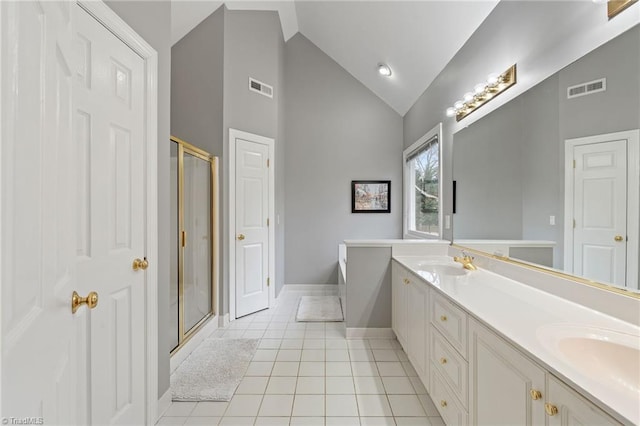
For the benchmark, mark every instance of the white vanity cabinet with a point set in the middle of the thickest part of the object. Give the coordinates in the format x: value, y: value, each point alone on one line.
x: 571, y: 408
x: 399, y: 312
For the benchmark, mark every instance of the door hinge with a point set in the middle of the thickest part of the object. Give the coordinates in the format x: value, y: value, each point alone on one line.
x: 574, y: 164
x: 268, y: 282
x: 268, y: 161
x: 267, y: 221
x: 184, y: 238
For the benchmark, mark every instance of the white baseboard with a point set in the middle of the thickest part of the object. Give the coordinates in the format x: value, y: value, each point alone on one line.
x: 224, y: 321
x: 185, y: 351
x: 370, y: 333
x: 163, y: 404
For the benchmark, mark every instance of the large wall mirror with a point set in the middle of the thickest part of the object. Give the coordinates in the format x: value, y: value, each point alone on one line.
x: 552, y: 177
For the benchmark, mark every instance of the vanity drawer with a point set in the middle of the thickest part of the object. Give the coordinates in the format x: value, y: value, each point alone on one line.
x: 451, y: 321
x: 451, y: 366
x: 449, y: 408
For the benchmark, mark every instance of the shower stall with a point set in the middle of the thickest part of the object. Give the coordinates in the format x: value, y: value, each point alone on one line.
x: 193, y: 277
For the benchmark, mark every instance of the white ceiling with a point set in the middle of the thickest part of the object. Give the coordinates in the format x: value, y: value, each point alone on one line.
x: 415, y: 38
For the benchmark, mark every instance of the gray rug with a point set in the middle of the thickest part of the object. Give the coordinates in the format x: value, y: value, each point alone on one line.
x: 319, y: 308
x: 213, y: 371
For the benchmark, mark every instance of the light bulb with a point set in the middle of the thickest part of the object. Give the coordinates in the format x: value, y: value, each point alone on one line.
x: 492, y: 79
x: 458, y: 104
x: 479, y: 88
x: 451, y: 111
x: 468, y: 97
x: 384, y: 70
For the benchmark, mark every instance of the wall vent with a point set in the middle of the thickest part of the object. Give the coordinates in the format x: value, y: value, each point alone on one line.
x: 588, y: 88
x: 260, y: 87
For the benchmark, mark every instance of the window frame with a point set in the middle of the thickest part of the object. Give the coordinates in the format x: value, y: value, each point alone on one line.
x: 408, y: 209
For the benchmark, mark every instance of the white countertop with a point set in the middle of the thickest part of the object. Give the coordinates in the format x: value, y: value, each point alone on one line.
x: 518, y: 312
x: 510, y: 243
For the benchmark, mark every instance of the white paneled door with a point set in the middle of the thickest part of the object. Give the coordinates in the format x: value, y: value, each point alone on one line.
x: 109, y: 126
x: 41, y: 355
x: 73, y: 101
x: 600, y: 211
x: 251, y: 226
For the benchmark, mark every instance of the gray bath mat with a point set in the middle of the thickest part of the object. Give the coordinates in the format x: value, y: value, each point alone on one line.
x: 319, y: 308
x: 213, y: 371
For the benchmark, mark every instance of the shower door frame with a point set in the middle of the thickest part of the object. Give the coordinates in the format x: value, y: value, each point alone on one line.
x: 186, y: 147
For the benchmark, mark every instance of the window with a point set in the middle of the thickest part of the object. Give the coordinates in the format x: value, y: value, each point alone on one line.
x: 422, y: 187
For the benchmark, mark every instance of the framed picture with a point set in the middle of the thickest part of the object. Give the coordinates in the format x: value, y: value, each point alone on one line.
x: 370, y: 196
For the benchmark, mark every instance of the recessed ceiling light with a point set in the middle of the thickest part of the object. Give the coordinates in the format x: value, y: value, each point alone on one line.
x: 384, y: 69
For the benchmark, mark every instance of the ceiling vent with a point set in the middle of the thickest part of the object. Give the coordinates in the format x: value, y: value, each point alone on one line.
x: 260, y: 87
x: 588, y: 88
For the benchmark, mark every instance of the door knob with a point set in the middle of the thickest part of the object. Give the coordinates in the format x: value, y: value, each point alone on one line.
x: 76, y: 301
x: 241, y: 237
x: 140, y: 264
x: 618, y: 238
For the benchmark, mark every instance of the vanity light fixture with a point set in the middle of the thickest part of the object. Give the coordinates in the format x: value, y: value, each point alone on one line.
x: 483, y: 93
x: 384, y: 70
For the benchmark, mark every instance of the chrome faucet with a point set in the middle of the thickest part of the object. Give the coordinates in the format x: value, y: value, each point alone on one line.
x: 466, y: 261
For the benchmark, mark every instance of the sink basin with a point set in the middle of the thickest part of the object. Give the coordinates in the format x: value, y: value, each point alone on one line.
x: 609, y: 357
x: 438, y: 273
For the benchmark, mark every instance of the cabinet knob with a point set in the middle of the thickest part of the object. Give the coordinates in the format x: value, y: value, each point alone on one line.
x: 443, y: 317
x: 535, y: 394
x: 406, y: 280
x: 443, y: 360
x: 551, y: 409
x: 443, y: 403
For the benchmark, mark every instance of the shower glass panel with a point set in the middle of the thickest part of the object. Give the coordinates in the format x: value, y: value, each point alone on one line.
x: 197, y: 245
x: 174, y: 334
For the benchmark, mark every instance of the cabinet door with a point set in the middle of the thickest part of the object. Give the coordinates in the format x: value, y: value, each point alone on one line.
x: 399, y: 302
x: 502, y: 382
x: 572, y: 409
x: 417, y: 304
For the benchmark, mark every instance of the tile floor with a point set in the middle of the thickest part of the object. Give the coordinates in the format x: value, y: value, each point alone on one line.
x: 309, y: 374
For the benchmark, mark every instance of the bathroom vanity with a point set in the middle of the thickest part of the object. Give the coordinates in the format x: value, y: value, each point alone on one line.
x: 491, y: 350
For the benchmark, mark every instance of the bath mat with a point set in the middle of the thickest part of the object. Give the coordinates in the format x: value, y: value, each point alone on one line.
x: 319, y: 308
x: 213, y: 371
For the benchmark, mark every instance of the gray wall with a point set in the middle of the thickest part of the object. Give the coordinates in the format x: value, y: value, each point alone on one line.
x: 509, y: 165
x: 152, y: 20
x: 336, y: 131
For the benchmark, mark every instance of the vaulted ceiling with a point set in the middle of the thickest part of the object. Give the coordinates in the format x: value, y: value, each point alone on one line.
x: 415, y: 38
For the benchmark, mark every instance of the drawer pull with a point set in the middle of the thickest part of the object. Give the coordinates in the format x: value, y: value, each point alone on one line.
x: 443, y: 317
x: 535, y: 394
x: 406, y: 280
x: 551, y: 409
x: 443, y: 403
x: 443, y: 361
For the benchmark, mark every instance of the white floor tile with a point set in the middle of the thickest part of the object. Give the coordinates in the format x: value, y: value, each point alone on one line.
x: 398, y: 386
x: 274, y: 334
x: 418, y: 386
x: 272, y: 421
x: 259, y: 368
x: 202, y: 421
x: 391, y: 369
x: 413, y: 421
x: 313, y: 355
x: 341, y: 405
x: 342, y: 421
x: 285, y: 368
x: 289, y: 355
x: 243, y: 405
x: 310, y: 385
x: 377, y: 421
x: 252, y: 386
x: 385, y: 355
x: 265, y: 355
x: 360, y: 355
x: 409, y: 370
x: 368, y: 385
x: 313, y: 344
x: 180, y: 409
x: 253, y: 334
x: 307, y: 421
x: 374, y: 405
x: 316, y: 326
x: 281, y: 385
x: 294, y: 334
x: 276, y: 405
x: 337, y: 355
x: 380, y: 344
x: 209, y: 409
x: 336, y: 344
x: 312, y: 368
x: 365, y: 368
x: 339, y: 385
x: 270, y: 343
x: 406, y: 406
x: 428, y: 406
x: 338, y: 369
x: 237, y: 421
x: 308, y: 405
x: 402, y: 356
x: 172, y: 420
x: 358, y: 344
x: 291, y: 344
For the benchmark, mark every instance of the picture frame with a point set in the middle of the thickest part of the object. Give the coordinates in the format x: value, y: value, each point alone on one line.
x: 370, y: 196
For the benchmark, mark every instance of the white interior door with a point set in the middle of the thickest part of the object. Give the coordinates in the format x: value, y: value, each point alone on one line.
x: 109, y: 125
x: 41, y: 363
x: 251, y: 229
x: 600, y: 211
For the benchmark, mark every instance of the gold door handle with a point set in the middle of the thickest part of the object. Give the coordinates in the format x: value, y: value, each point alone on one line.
x: 443, y: 318
x: 240, y: 237
x: 140, y: 264
x: 443, y: 361
x: 618, y: 238
x: 535, y: 394
x: 551, y: 409
x: 76, y: 301
x: 443, y: 403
